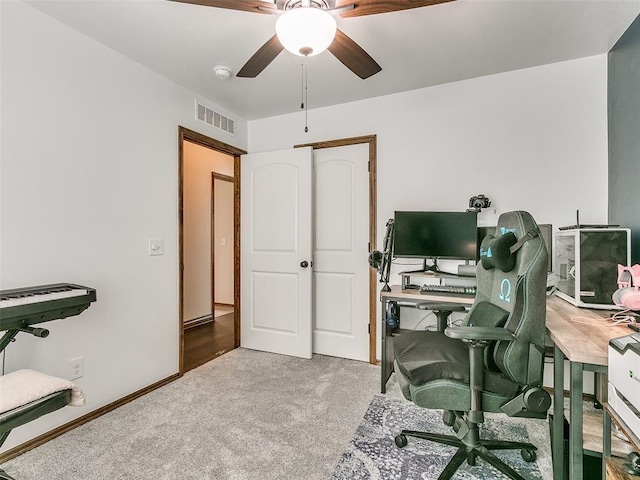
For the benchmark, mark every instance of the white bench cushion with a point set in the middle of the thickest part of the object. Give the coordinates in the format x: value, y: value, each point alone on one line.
x: 25, y: 386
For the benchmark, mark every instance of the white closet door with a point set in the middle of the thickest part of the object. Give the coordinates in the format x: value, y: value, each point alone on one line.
x: 276, y: 226
x: 340, y: 258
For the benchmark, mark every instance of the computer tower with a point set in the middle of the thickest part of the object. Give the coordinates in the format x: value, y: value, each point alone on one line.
x: 587, y: 262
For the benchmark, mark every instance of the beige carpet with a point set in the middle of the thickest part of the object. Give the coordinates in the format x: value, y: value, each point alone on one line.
x: 245, y: 415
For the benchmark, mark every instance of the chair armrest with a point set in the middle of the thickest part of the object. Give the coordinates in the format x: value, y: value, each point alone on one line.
x: 479, y: 333
x: 477, y: 339
x: 445, y: 307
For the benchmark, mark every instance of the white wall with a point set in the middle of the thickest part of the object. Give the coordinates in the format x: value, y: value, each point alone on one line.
x: 89, y: 173
x: 533, y: 139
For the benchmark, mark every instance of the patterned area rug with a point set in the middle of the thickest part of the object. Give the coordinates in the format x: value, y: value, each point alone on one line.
x: 372, y: 454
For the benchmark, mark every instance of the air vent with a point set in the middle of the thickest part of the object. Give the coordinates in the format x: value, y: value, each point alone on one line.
x: 214, y: 118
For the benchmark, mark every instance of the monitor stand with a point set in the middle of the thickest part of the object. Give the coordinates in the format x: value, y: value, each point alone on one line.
x: 427, y: 268
x: 431, y: 268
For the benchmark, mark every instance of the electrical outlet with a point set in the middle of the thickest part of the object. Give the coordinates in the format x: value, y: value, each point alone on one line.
x: 76, y: 368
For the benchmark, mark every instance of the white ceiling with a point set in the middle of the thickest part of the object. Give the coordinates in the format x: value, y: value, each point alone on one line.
x: 416, y: 48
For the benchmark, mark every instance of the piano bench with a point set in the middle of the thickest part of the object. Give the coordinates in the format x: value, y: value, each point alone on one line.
x: 32, y: 410
x: 29, y: 412
x: 28, y: 395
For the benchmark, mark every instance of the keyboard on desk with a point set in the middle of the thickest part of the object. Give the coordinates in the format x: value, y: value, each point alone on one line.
x: 447, y: 290
x: 20, y: 307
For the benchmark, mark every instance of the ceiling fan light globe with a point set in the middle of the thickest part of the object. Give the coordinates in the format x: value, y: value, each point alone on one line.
x: 306, y: 31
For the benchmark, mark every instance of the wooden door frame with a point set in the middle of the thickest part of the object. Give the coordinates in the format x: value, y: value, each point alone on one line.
x: 373, y: 209
x: 223, y: 178
x: 184, y: 134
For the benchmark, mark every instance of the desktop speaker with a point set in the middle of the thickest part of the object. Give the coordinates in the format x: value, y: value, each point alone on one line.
x: 628, y: 294
x: 467, y: 270
x: 393, y: 315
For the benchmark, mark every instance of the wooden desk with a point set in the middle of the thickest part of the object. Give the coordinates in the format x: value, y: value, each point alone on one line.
x: 578, y: 338
x: 406, y: 298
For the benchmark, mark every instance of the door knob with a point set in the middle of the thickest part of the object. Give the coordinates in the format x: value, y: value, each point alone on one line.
x: 304, y: 264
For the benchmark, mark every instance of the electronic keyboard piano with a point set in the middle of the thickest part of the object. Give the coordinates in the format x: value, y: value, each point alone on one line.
x: 19, y: 309
x: 22, y: 307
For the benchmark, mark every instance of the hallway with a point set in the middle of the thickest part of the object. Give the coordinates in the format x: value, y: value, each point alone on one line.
x: 206, y: 342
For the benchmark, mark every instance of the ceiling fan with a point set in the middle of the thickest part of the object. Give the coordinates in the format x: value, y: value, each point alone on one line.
x: 341, y: 45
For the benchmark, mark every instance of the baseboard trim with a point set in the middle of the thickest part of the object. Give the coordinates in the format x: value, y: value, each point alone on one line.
x: 45, y: 437
x: 195, y: 322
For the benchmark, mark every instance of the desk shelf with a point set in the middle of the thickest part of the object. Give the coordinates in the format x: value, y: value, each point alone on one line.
x: 592, y: 436
x: 617, y: 420
x: 614, y: 469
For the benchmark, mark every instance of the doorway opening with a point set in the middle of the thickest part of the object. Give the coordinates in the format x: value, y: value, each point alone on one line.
x: 209, y: 248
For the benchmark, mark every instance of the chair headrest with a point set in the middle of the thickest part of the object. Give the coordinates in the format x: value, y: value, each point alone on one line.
x: 513, y: 230
x: 495, y: 252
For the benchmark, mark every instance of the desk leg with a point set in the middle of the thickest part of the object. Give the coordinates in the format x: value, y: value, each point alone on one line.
x: 575, y: 421
x: 601, y: 383
x: 606, y: 440
x: 558, y: 414
x: 383, y: 370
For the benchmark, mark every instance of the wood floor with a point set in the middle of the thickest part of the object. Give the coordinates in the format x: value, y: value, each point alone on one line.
x: 206, y: 342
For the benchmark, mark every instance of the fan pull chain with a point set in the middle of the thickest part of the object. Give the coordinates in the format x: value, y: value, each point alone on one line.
x: 302, y: 85
x: 305, y: 97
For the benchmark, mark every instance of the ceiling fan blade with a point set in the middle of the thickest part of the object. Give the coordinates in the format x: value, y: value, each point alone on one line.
x: 353, y: 56
x: 263, y: 57
x: 256, y: 6
x: 372, y: 7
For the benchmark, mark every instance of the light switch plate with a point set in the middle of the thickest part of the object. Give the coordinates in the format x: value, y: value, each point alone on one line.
x: 156, y: 246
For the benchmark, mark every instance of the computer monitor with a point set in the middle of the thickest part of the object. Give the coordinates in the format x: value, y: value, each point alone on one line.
x: 434, y: 235
x: 546, y: 232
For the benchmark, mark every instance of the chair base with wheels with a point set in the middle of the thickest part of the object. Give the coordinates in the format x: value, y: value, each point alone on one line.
x: 470, y: 447
x: 532, y: 402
